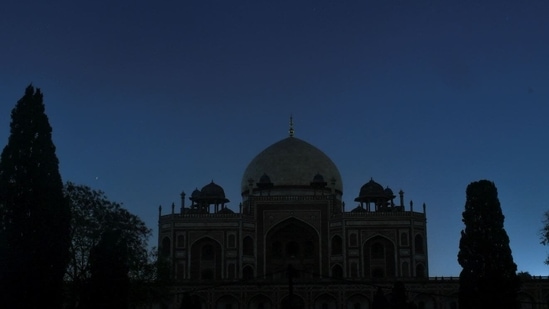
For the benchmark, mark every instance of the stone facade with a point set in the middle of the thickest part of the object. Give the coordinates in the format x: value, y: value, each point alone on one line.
x: 293, y: 241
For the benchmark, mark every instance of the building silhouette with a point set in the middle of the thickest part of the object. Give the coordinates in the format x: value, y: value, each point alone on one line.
x: 295, y: 244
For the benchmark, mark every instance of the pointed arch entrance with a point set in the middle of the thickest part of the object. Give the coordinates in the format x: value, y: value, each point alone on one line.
x: 292, y: 242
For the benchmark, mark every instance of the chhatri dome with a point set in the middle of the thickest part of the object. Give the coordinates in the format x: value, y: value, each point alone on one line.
x: 291, y: 163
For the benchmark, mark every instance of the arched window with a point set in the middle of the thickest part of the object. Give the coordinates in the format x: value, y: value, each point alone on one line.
x: 337, y: 245
x: 420, y: 271
x: 354, y: 270
x: 181, y: 241
x: 231, y: 271
x: 404, y: 239
x: 166, y: 247
x: 353, y: 241
x: 418, y: 241
x: 378, y: 252
x: 337, y: 272
x: 207, y: 253
x: 379, y: 258
x: 405, y: 269
x: 247, y: 273
x: 180, y: 273
x: 248, y: 246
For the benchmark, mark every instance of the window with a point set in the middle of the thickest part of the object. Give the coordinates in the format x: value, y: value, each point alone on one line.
x: 248, y: 246
x: 181, y: 241
x: 420, y: 271
x: 354, y: 270
x: 166, y: 247
x: 353, y: 240
x: 404, y: 239
x: 405, y: 269
x: 418, y: 241
x: 337, y: 272
x: 180, y: 273
x: 337, y: 245
x: 231, y: 271
x: 248, y: 273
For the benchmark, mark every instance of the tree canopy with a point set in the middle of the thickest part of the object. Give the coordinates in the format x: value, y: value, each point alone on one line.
x: 488, y: 278
x: 93, y: 216
x: 34, y: 213
x: 544, y: 233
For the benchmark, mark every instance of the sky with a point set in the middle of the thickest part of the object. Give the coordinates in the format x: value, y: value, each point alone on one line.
x: 151, y: 98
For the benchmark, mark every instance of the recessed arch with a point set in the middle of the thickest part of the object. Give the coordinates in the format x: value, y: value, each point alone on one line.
x: 337, y: 271
x: 248, y: 246
x: 260, y: 302
x: 206, y: 259
x: 425, y: 301
x: 419, y: 244
x: 420, y: 270
x: 337, y: 245
x: 227, y: 301
x: 357, y: 301
x: 325, y: 301
x: 247, y: 272
x: 296, y: 302
x: 379, y: 257
x: 292, y: 242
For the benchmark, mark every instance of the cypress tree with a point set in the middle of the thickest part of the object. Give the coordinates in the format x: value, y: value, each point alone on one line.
x: 488, y: 278
x: 34, y: 213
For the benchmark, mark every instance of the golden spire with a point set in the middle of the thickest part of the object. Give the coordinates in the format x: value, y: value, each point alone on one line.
x: 291, y: 126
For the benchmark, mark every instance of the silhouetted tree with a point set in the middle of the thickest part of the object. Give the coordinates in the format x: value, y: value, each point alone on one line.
x: 544, y: 233
x: 34, y: 213
x: 93, y: 214
x: 488, y: 278
x: 109, y: 282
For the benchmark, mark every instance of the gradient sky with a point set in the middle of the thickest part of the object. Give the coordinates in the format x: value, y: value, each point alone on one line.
x: 149, y: 98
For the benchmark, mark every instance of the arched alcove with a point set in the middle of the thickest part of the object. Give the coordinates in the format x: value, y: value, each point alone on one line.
x: 293, y: 242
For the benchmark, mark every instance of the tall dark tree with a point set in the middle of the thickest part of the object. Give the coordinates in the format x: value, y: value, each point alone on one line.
x: 488, y: 278
x: 34, y: 213
x: 109, y: 282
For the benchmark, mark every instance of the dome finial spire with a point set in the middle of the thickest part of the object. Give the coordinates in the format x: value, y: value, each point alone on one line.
x: 291, y: 126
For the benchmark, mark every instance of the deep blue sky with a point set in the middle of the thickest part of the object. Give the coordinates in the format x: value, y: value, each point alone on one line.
x: 147, y: 99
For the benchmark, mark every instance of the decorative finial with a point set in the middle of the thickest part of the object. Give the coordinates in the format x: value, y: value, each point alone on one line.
x: 291, y: 126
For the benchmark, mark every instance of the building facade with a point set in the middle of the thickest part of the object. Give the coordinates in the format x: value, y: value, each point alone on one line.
x: 294, y: 244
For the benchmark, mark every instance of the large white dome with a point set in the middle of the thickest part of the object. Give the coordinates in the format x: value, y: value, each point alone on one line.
x: 291, y: 162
